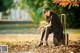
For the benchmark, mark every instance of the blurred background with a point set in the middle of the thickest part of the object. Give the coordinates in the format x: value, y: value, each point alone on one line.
x: 24, y: 16
x: 20, y: 19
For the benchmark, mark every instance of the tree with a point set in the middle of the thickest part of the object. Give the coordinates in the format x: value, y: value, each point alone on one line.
x: 71, y: 9
x: 69, y: 3
x: 5, y: 4
x: 1, y: 5
x: 36, y: 7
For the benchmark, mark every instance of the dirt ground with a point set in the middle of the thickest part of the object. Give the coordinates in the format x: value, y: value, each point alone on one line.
x: 25, y: 43
x: 31, y: 37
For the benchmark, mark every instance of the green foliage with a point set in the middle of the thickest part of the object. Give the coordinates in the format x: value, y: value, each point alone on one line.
x: 5, y: 4
x: 73, y: 17
x: 1, y: 4
x: 36, y: 10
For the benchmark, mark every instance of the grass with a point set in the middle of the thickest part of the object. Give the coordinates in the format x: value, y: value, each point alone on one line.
x: 24, y: 38
x: 24, y: 28
x: 17, y: 26
x: 73, y: 31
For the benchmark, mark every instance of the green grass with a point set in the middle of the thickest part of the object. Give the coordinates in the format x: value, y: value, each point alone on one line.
x: 29, y: 28
x: 17, y: 26
x: 73, y: 31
